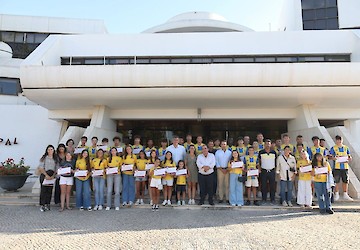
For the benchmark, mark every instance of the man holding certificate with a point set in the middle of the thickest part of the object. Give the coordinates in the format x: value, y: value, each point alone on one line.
x: 341, y: 154
x: 206, y: 163
x: 267, y: 160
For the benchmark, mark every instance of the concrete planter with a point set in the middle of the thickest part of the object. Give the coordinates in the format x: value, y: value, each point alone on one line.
x: 13, y: 182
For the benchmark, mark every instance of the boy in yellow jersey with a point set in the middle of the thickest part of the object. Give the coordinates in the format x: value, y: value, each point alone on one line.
x: 304, y: 192
x: 241, y: 148
x: 93, y: 147
x: 188, y: 142
x: 181, y: 184
x: 247, y: 141
x: 320, y: 181
x: 155, y: 184
x: 168, y: 180
x: 99, y: 163
x: 286, y: 142
x: 337, y: 152
x: 105, y: 142
x: 217, y: 144
x: 316, y: 148
x: 300, y: 140
x: 162, y: 150
x: 83, y: 198
x: 113, y: 180
x: 137, y: 147
x: 252, y: 182
x: 140, y: 181
x: 277, y: 147
x: 150, y: 146
x: 260, y: 140
x: 256, y: 147
x: 199, y: 144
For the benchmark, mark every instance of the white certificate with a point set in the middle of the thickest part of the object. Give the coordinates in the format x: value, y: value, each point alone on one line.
x: 306, y: 169
x: 149, y: 166
x: 253, y: 172
x: 160, y: 172
x: 267, y: 163
x: 113, y: 170
x: 62, y: 171
x: 81, y: 173
x: 139, y: 173
x: 104, y: 148
x: 342, y: 159
x: 237, y: 164
x: 127, y: 168
x: 49, y: 182
x: 181, y: 172
x: 171, y: 170
x: 136, y: 151
x: 119, y: 150
x: 322, y: 170
x: 147, y: 153
x: 78, y: 150
x: 99, y: 172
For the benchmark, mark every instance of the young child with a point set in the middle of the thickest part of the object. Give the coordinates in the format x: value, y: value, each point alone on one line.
x: 235, y: 187
x: 168, y: 180
x: 252, y: 182
x: 181, y: 184
x: 140, y: 181
x: 99, y: 163
x: 151, y: 160
x: 320, y: 184
x: 304, y: 194
x: 162, y: 150
x: 155, y: 185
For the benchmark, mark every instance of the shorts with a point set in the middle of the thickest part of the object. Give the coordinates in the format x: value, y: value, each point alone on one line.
x: 252, y: 182
x: 180, y: 188
x: 69, y: 181
x: 169, y: 183
x: 342, y: 174
x: 156, y: 183
x: 141, y: 178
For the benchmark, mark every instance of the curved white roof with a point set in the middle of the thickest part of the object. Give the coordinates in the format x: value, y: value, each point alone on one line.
x: 5, y: 50
x: 197, y: 21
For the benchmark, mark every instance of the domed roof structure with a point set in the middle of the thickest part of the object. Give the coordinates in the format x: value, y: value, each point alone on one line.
x: 5, y: 50
x: 197, y: 21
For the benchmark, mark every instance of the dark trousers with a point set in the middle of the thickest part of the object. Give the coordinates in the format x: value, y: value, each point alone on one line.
x: 206, y: 183
x: 57, y: 191
x: 268, y: 177
x: 215, y: 181
x: 45, y: 191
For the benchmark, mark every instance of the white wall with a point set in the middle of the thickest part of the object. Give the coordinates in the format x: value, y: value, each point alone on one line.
x: 290, y: 16
x: 349, y: 13
x: 33, y: 130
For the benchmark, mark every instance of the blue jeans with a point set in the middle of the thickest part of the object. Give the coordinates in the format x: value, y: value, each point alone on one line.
x: 322, y: 195
x: 235, y: 191
x: 286, y: 186
x: 83, y: 191
x: 99, y: 184
x: 128, y: 188
x: 113, y: 180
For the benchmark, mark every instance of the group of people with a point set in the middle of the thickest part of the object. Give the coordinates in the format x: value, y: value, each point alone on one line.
x: 219, y: 170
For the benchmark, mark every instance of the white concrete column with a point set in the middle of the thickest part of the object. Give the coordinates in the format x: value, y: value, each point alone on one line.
x: 101, y: 118
x: 353, y: 127
x: 305, y: 118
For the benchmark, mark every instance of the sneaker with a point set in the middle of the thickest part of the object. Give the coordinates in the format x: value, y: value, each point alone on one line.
x: 89, y: 209
x: 100, y: 207
x: 153, y: 208
x: 284, y: 204
x: 233, y: 205
x: 337, y: 196
x: 347, y: 197
x: 193, y: 202
x: 330, y: 211
x: 221, y: 201
x: 183, y: 203
x: 107, y: 208
x: 247, y: 203
x: 130, y: 203
x: 164, y: 203
x: 179, y: 203
x: 190, y: 202
x: 151, y: 203
x: 96, y: 207
x: 124, y: 204
x: 302, y: 206
x: 156, y: 207
x: 256, y: 203
x: 137, y: 202
x: 308, y: 207
x: 141, y: 202
x: 47, y: 207
x: 42, y: 208
x: 169, y: 202
x: 212, y: 203
x: 81, y: 208
x: 117, y: 209
x: 290, y: 204
x: 322, y: 211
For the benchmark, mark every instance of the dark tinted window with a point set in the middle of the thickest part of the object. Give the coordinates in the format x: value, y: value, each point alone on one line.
x: 9, y: 86
x: 319, y: 14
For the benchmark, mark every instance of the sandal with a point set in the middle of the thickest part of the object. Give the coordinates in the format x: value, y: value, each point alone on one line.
x: 69, y: 208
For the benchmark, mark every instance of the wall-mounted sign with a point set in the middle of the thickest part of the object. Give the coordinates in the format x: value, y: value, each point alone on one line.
x: 9, y: 142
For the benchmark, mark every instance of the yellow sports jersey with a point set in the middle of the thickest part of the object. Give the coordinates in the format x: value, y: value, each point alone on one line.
x: 141, y: 164
x: 161, y: 152
x: 198, y: 148
x: 292, y: 148
x: 234, y: 170
x: 81, y: 165
x: 98, y: 163
x: 129, y: 160
x: 152, y: 173
x: 322, y: 177
x: 187, y: 146
x: 315, y: 150
x: 116, y: 161
x: 170, y: 165
x: 339, y: 152
x: 148, y: 151
x: 261, y: 145
x: 303, y: 176
x: 181, y: 180
x: 277, y: 150
x: 251, y: 164
x: 217, y: 147
x: 242, y: 150
x: 92, y: 152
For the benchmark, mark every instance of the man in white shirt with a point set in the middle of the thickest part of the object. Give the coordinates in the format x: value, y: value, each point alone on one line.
x: 178, y: 151
x: 223, y: 157
x: 206, y: 163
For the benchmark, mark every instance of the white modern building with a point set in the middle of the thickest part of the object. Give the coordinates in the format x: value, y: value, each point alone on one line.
x: 202, y: 74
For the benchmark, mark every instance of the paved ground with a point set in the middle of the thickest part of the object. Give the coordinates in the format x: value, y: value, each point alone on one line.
x: 25, y: 227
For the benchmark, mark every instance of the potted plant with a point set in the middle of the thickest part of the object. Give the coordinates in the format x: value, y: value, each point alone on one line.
x: 13, y: 175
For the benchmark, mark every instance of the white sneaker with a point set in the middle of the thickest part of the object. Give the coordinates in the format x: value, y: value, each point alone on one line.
x: 290, y: 204
x: 151, y: 203
x: 169, y: 202
x: 124, y: 204
x: 284, y: 204
x: 183, y: 203
x: 337, y: 196
x: 179, y: 203
x: 100, y: 208
x: 131, y: 203
x: 141, y: 202
x: 137, y: 202
x: 190, y: 202
x: 96, y: 207
x: 164, y: 203
x: 117, y: 208
x: 347, y: 197
x: 107, y: 208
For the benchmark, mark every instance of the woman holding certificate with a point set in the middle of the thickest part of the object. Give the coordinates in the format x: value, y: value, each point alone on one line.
x: 82, y: 181
x: 235, y: 167
x: 66, y: 172
x: 168, y: 180
x: 149, y: 165
x: 322, y: 173
x: 98, y: 166
x: 140, y: 177
x: 47, y: 168
x: 304, y: 166
x: 113, y: 178
x: 129, y: 161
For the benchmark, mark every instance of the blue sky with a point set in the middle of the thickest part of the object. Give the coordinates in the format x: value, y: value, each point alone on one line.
x: 134, y: 16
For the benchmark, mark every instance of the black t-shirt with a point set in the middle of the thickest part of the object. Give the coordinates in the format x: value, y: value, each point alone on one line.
x: 67, y: 164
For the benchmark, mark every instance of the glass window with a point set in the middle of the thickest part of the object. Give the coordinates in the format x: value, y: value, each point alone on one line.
x: 8, y: 36
x: 222, y: 60
x: 309, y: 25
x: 311, y: 59
x: 332, y: 24
x: 9, y: 86
x: 94, y: 61
x: 286, y: 59
x: 160, y: 60
x: 77, y: 61
x: 331, y: 3
x: 308, y: 14
x: 201, y: 60
x: 243, y: 59
x: 39, y: 38
x: 264, y: 59
x: 30, y: 38
x: 320, y: 24
x: 180, y: 60
x: 119, y: 61
x: 320, y: 13
x: 312, y: 4
x: 65, y: 60
x: 331, y: 12
x: 19, y: 37
x: 142, y: 61
x: 337, y: 58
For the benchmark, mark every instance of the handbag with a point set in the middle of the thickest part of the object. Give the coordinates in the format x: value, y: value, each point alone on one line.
x: 242, y: 178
